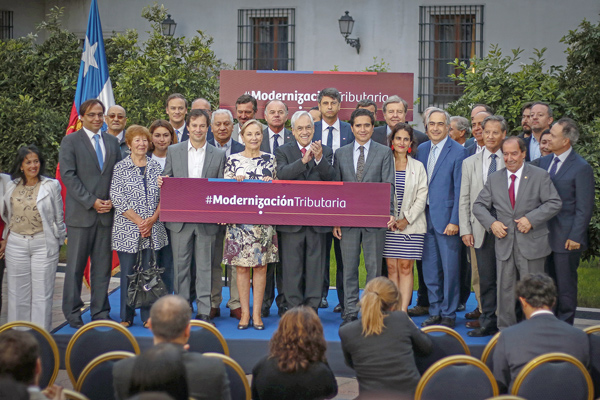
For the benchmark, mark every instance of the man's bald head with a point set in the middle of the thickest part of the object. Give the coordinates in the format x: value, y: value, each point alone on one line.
x: 170, y: 318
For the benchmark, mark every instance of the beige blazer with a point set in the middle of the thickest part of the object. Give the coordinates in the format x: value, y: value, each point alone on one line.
x: 414, y: 199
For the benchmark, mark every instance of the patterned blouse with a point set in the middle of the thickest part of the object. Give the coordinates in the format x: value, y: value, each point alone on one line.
x: 130, y: 190
x: 26, y: 219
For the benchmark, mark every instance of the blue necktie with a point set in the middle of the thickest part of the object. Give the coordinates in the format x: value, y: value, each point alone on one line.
x: 554, y: 167
x: 99, y: 151
x: 330, y: 137
x: 275, y: 141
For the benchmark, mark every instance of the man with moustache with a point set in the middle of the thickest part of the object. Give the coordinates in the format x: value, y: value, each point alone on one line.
x: 362, y: 161
x: 526, y: 121
x: 475, y: 172
x: 116, y: 120
x: 176, y: 109
x: 541, y: 119
x: 245, y: 109
x: 394, y: 112
x: 515, y: 205
x: 477, y: 130
x: 194, y: 158
x: 303, y: 247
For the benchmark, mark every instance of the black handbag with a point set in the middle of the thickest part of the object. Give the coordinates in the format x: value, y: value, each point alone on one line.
x: 145, y: 287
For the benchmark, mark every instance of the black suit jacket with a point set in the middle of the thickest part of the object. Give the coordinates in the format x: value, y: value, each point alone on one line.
x: 85, y: 182
x: 290, y: 167
x: 266, y: 143
x: 236, y: 147
x: 541, y: 334
x: 206, y: 377
x: 186, y: 134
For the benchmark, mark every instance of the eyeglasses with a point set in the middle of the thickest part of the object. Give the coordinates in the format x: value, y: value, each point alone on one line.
x: 92, y: 115
x: 113, y: 116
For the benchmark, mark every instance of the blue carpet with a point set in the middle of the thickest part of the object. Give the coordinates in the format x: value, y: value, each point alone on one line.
x: 247, y: 346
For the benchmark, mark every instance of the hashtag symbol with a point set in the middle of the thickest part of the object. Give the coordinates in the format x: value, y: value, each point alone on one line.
x: 208, y: 199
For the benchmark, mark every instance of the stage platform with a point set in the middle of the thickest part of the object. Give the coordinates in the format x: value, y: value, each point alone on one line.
x: 248, y: 346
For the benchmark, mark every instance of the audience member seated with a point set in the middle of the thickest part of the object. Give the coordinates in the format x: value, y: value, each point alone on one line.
x: 160, y: 369
x: 296, y: 367
x: 380, y: 346
x: 170, y: 323
x: 541, y: 333
x: 20, y: 360
x: 10, y: 389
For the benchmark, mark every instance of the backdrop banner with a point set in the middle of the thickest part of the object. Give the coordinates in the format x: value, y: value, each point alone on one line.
x: 299, y: 89
x: 275, y: 203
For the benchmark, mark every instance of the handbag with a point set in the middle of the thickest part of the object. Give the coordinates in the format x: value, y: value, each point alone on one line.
x: 145, y: 287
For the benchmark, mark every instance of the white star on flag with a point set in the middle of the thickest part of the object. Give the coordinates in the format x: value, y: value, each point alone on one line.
x: 89, y: 56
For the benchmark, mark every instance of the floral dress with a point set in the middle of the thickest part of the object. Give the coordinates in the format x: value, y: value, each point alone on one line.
x: 250, y: 245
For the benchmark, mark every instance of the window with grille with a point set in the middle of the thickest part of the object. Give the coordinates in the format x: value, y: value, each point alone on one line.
x: 446, y: 33
x: 266, y: 39
x: 6, y: 25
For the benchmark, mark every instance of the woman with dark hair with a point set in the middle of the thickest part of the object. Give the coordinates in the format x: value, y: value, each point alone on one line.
x: 163, y: 135
x: 296, y: 367
x: 251, y: 246
x: 160, y: 369
x: 36, y: 230
x: 404, y: 244
x: 381, y: 345
x: 135, y: 195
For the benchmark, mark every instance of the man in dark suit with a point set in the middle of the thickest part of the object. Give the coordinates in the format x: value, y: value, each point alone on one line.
x: 194, y: 158
x: 245, y: 110
x: 477, y: 130
x: 574, y: 180
x: 526, y: 121
x: 303, y: 247
x: 176, y: 108
x: 222, y: 126
x: 394, y: 112
x: 362, y: 161
x: 541, y: 333
x: 87, y: 159
x: 169, y: 322
x: 515, y: 204
x: 541, y: 119
x: 379, y: 136
x: 333, y: 133
x: 203, y: 104
x: 442, y: 158
x: 116, y: 120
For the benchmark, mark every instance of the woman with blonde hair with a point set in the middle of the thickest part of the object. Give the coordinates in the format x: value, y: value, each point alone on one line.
x: 296, y: 367
x: 381, y: 345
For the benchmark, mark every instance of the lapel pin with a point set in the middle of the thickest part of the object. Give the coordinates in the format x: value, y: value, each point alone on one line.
x: 525, y: 178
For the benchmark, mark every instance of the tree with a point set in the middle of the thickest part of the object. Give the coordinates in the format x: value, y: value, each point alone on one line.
x: 488, y: 80
x: 145, y: 75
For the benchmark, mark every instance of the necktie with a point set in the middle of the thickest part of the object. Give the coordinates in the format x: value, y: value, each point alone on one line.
x: 554, y: 167
x: 360, y: 165
x: 491, y: 170
x: 275, y: 141
x: 178, y: 135
x: 511, y: 190
x: 431, y: 163
x: 99, y: 151
x: 330, y: 137
x: 303, y: 151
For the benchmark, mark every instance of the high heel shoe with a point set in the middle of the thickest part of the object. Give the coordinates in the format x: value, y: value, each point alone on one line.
x: 242, y: 327
x: 259, y: 327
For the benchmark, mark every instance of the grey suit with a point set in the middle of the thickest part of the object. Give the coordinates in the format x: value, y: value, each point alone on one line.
x: 89, y: 232
x: 518, y: 253
x: 379, y: 167
x: 303, y: 247
x: 206, y: 377
x: 543, y: 333
x: 189, y: 239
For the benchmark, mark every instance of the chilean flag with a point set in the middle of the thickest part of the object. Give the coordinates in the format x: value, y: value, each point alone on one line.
x: 93, y: 83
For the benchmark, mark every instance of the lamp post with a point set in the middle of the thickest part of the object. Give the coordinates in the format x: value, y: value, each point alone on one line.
x: 168, y: 26
x: 346, y: 25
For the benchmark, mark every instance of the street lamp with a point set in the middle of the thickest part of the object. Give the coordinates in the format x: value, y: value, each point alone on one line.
x: 168, y: 26
x: 346, y: 25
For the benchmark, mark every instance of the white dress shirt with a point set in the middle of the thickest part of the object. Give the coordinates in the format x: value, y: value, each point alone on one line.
x: 517, y: 181
x: 487, y: 160
x: 196, y: 160
x: 336, y: 134
x: 562, y: 159
x: 91, y: 136
x: 534, y: 149
x: 479, y: 148
x: 356, y: 152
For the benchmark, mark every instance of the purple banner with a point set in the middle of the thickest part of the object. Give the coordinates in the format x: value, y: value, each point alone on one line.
x: 275, y: 203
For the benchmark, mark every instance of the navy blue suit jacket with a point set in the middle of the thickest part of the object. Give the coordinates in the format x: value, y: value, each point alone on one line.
x: 346, y: 135
x: 185, y: 135
x: 236, y: 147
x: 209, y: 135
x: 574, y: 183
x: 444, y: 186
x: 470, y: 150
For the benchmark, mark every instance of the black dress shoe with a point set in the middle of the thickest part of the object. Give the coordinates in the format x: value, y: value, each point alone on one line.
x: 76, y: 323
x: 324, y: 303
x: 461, y: 307
x: 418, y: 311
x: 449, y: 322
x: 205, y: 318
x: 349, y: 318
x: 481, y: 332
x: 433, y: 320
x: 338, y: 308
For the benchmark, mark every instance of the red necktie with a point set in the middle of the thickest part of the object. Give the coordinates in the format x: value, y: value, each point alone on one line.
x: 511, y: 190
x: 303, y: 150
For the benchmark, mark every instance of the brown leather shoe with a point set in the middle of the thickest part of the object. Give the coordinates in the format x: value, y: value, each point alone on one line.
x: 236, y: 313
x: 418, y: 311
x: 473, y: 324
x: 214, y: 312
x: 475, y: 314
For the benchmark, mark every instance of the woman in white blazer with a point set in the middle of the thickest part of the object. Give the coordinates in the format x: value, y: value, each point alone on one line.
x: 404, y: 243
x: 35, y: 231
